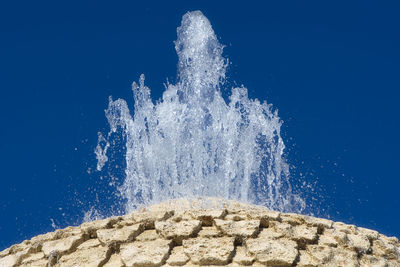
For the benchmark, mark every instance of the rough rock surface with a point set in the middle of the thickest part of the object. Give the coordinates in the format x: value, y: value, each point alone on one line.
x: 178, y: 233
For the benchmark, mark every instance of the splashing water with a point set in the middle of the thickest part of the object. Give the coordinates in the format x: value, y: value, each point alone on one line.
x: 192, y: 143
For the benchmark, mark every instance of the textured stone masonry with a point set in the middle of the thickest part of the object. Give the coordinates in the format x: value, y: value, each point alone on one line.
x: 180, y: 233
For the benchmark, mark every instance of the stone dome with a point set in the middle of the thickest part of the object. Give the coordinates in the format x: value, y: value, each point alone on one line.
x: 204, y: 233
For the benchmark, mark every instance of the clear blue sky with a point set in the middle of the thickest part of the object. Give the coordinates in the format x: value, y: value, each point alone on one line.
x: 332, y: 71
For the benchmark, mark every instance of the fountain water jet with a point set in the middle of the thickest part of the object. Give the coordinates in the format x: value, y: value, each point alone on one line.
x: 192, y: 143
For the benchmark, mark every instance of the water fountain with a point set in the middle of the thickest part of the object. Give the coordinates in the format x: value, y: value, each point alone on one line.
x: 192, y: 143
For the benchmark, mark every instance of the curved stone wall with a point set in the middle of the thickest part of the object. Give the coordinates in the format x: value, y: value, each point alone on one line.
x: 179, y: 233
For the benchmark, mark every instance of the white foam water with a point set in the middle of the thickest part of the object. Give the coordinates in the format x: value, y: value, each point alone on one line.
x: 193, y: 143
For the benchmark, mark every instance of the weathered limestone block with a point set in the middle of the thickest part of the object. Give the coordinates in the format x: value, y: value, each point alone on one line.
x: 178, y: 230
x: 178, y: 257
x: 346, y: 228
x: 305, y: 234
x: 114, y: 261
x: 207, y: 216
x: 89, y: 244
x: 265, y: 216
x: 146, y: 253
x: 317, y: 255
x: 384, y: 249
x: 24, y: 247
x: 359, y: 242
x: 9, y: 260
x: 17, y: 253
x: 241, y: 257
x: 44, y: 237
x: 38, y: 263
x: 125, y: 234
x: 327, y: 240
x: 148, y: 235
x: 270, y: 233
x: 394, y: 241
x: 5, y: 252
x: 123, y: 223
x: 93, y: 256
x: 393, y: 263
x: 90, y: 228
x: 306, y: 259
x: 148, y: 218
x: 240, y: 229
x: 62, y: 246
x: 209, y: 251
x: 209, y: 232
x: 235, y: 217
x: 33, y: 258
x: 370, y: 234
x: 285, y: 229
x: 69, y: 231
x: 333, y: 238
x: 389, y: 239
x: 318, y: 222
x: 293, y: 218
x: 372, y: 261
x: 237, y: 207
x: 281, y: 252
x: 256, y: 264
x: 344, y: 257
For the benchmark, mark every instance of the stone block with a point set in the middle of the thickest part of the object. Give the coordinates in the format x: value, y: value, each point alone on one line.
x: 209, y: 232
x: 207, y: 216
x: 209, y: 251
x: 240, y: 229
x: 115, y: 261
x: 148, y: 235
x: 359, y: 242
x: 93, y: 256
x: 145, y: 253
x: 281, y: 252
x: 62, y: 246
x: 178, y: 230
x: 241, y: 257
x: 177, y: 257
x: 115, y: 235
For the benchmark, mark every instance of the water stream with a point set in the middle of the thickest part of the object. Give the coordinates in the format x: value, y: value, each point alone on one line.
x: 192, y: 142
